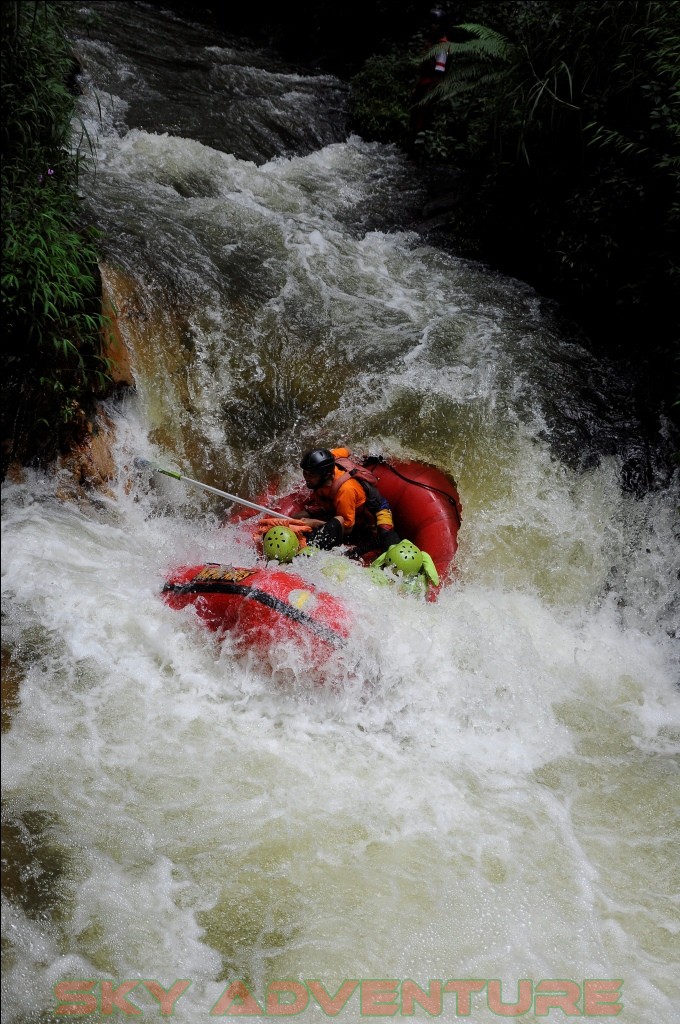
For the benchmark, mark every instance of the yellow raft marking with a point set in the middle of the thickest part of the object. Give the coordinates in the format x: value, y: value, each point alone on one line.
x: 300, y: 598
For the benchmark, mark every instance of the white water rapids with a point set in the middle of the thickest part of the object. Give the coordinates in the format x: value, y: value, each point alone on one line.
x: 490, y: 788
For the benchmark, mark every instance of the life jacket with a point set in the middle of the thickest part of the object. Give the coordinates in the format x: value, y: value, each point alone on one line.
x: 432, y: 69
x: 353, y: 471
x: 376, y: 510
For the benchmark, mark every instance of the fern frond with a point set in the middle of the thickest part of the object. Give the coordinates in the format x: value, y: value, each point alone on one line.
x: 485, y: 45
x: 474, y: 78
x: 477, y: 63
x: 486, y: 39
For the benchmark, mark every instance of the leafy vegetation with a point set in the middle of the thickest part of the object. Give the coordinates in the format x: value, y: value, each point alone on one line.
x: 381, y: 98
x: 53, y: 328
x: 563, y: 120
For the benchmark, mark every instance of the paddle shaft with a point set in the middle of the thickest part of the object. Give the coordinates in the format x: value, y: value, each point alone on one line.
x: 215, y: 490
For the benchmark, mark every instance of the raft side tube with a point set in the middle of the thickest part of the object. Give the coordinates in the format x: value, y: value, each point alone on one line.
x: 260, y: 605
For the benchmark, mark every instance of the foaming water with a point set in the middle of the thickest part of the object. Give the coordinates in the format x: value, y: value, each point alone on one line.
x: 487, y: 787
x: 484, y: 787
x: 145, y: 68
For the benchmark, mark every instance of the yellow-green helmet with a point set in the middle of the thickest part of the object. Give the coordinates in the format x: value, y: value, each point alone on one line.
x: 280, y: 543
x: 404, y: 557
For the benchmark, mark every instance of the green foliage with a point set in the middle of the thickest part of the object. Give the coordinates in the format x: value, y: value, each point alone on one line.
x: 480, y: 61
x: 52, y: 351
x: 380, y: 98
x: 591, y: 106
x: 563, y: 121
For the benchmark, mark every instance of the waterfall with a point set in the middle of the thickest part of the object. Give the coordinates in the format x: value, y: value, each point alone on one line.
x: 489, y: 789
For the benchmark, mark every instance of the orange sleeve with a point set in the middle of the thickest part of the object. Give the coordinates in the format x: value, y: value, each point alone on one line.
x: 341, y: 453
x: 349, y: 498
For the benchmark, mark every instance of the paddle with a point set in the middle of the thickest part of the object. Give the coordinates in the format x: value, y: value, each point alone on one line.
x: 145, y: 464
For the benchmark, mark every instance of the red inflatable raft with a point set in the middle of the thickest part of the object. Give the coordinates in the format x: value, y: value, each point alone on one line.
x: 424, y: 502
x: 261, y: 605
x: 266, y: 604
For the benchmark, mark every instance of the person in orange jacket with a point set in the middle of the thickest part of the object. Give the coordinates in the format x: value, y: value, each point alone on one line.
x: 345, y: 505
x: 431, y: 73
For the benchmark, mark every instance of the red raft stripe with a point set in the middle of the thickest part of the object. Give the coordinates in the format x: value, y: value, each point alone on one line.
x: 278, y: 605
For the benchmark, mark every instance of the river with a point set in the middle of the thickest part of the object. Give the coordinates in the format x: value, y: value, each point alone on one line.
x: 489, y: 788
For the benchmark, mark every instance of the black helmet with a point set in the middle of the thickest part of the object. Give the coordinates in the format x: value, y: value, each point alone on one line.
x: 318, y: 460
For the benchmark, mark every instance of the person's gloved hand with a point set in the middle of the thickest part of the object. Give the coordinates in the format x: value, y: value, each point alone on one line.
x: 387, y: 538
x: 327, y: 536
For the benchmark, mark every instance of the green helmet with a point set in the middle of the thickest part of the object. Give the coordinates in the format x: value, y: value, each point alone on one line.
x: 280, y: 543
x: 404, y: 557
